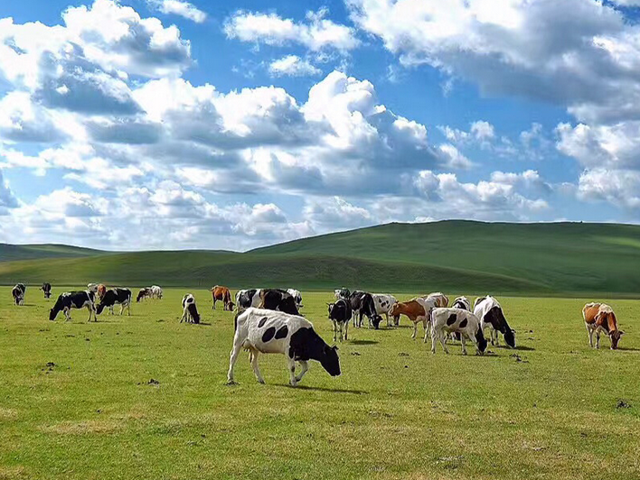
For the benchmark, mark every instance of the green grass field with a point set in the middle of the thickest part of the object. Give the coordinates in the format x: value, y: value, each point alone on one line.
x: 77, y: 400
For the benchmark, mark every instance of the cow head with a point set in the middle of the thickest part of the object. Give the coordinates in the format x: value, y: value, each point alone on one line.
x: 615, y: 338
x: 376, y: 319
x: 510, y: 337
x: 100, y: 308
x: 481, y: 342
x: 288, y: 305
x: 330, y: 361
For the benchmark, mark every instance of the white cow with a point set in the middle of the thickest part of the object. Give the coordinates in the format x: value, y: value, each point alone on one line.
x: 384, y: 303
x: 270, y: 331
x: 156, y: 292
x: 428, y: 303
x: 447, y: 320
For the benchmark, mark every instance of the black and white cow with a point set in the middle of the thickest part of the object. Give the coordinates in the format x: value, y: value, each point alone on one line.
x: 384, y: 303
x: 355, y: 300
x: 340, y: 314
x: 116, y: 296
x: 145, y: 292
x: 462, y: 302
x: 18, y: 293
x: 342, y: 293
x: 365, y: 306
x: 69, y: 300
x: 276, y: 299
x: 46, y: 288
x: 297, y: 296
x: 268, y: 331
x: 447, y: 320
x: 247, y: 298
x: 189, y: 310
x: 491, y: 316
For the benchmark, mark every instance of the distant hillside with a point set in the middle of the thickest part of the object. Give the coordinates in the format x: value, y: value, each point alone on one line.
x: 10, y: 253
x: 558, y: 258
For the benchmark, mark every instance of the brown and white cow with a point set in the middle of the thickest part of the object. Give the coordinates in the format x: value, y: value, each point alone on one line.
x: 415, y: 312
x: 222, y: 294
x: 598, y: 318
x: 441, y: 300
x: 101, y: 291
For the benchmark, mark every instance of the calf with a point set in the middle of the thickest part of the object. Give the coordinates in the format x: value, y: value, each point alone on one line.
x: 268, y: 331
x: 247, y: 298
x: 297, y: 296
x: 447, y: 320
x: 115, y: 296
x: 415, y: 311
x: 69, y: 300
x: 276, y: 299
x: 340, y: 314
x: 489, y: 311
x: 46, y: 288
x: 18, y: 293
x: 143, y: 293
x: 189, y: 310
x: 383, y: 305
x: 599, y: 317
x: 222, y: 294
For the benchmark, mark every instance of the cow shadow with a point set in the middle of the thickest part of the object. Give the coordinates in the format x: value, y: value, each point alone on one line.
x: 629, y: 349
x: 323, y: 389
x: 362, y: 342
x: 519, y: 347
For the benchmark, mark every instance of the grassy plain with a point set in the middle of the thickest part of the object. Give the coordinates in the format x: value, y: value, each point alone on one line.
x: 144, y: 397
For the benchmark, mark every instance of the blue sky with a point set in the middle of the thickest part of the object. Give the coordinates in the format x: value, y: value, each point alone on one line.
x: 140, y: 124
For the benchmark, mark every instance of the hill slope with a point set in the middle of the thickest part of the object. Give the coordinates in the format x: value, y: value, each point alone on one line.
x: 560, y: 258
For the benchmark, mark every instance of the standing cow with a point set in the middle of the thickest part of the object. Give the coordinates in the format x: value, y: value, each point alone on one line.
x: 46, y: 289
x: 247, y: 298
x: 340, y: 314
x: 18, y: 293
x: 115, y: 296
x: 222, y: 294
x: 144, y: 293
x: 156, y: 292
x: 599, y: 318
x: 297, y: 296
x: 276, y: 299
x: 447, y: 320
x: 268, y: 331
x: 69, y: 300
x: 189, y: 310
x: 490, y: 313
x: 383, y: 303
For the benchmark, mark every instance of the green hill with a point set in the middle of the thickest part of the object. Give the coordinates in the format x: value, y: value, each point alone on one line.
x: 28, y: 252
x: 552, y: 258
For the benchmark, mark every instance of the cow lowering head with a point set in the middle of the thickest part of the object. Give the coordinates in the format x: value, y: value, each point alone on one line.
x: 53, y: 313
x: 376, y: 319
x: 510, y: 337
x: 607, y: 319
x: 288, y: 305
x: 141, y: 294
x: 102, y: 290
x: 481, y: 342
x: 330, y: 361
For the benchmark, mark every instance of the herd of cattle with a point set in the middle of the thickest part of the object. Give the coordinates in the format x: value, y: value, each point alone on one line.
x: 269, y: 320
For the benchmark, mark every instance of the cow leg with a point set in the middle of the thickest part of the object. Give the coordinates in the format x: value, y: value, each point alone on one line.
x: 444, y: 345
x: 425, y: 323
x: 233, y: 358
x: 415, y: 330
x: 597, y: 338
x: 291, y: 364
x: 387, y: 315
x: 346, y: 328
x: 433, y: 339
x: 305, y: 368
x: 67, y: 314
x: 590, y: 333
x: 254, y: 365
x: 335, y: 330
x: 464, y: 346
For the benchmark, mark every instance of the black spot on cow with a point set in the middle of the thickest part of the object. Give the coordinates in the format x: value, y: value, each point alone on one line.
x: 463, y: 323
x: 263, y: 320
x: 268, y: 334
x: 452, y: 319
x: 282, y: 332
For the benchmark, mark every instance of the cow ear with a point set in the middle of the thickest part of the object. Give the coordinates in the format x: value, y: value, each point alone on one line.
x: 621, y: 332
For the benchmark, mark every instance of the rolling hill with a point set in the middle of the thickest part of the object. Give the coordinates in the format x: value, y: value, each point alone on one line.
x: 545, y: 259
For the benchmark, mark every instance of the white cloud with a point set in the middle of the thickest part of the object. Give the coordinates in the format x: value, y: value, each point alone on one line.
x: 179, y: 7
x: 619, y: 187
x: 293, y: 66
x: 7, y: 198
x: 317, y: 33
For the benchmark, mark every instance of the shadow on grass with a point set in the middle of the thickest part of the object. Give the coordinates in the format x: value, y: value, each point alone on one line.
x: 519, y: 347
x: 362, y: 342
x: 323, y: 389
x: 629, y: 349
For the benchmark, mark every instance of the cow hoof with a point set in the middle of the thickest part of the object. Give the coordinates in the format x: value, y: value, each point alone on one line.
x: 261, y: 380
x: 231, y: 382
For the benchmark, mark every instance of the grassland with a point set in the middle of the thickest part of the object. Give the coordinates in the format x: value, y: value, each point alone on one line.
x: 566, y: 259
x: 77, y: 400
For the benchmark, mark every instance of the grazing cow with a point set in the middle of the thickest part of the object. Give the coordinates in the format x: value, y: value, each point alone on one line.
x: 222, y: 294
x: 144, y: 293
x: 447, y: 320
x: 18, y: 293
x: 101, y: 291
x: 276, y: 299
x: 415, y: 311
x: 340, y: 314
x: 367, y: 307
x: 342, y: 293
x: 46, y: 288
x: 247, y: 298
x: 441, y: 300
x: 297, y: 296
x: 462, y: 302
x: 115, y: 296
x: 383, y: 305
x: 599, y: 317
x: 156, y: 292
x: 491, y: 316
x: 189, y: 310
x: 266, y: 331
x: 68, y: 300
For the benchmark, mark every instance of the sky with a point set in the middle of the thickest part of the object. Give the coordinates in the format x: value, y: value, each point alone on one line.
x: 167, y: 124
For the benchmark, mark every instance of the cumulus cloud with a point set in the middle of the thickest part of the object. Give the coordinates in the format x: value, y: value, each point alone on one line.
x: 7, y: 198
x: 619, y: 187
x: 293, y: 66
x: 179, y: 7
x: 316, y: 33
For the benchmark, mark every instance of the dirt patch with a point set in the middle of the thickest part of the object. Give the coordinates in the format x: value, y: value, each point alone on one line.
x: 86, y: 427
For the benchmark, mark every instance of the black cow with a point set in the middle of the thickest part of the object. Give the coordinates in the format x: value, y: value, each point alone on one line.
x: 276, y: 299
x: 46, y: 288
x: 340, y: 314
x: 116, y: 296
x: 18, y: 293
x: 68, y: 300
